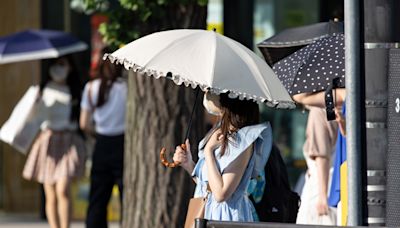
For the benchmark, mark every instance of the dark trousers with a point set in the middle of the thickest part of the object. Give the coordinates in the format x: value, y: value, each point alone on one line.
x: 107, y: 168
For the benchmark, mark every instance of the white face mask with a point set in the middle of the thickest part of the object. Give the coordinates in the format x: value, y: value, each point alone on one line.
x: 58, y: 73
x: 210, y: 105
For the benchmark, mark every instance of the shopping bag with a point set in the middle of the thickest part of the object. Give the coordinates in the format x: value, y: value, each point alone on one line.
x: 21, y: 128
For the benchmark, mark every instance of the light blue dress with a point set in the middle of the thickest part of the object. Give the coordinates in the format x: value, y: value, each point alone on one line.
x: 238, y: 207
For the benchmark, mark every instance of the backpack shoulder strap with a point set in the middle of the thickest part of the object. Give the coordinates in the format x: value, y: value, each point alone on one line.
x: 90, y: 96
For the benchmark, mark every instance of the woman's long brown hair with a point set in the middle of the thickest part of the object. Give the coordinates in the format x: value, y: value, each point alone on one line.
x: 236, y: 115
x: 108, y: 73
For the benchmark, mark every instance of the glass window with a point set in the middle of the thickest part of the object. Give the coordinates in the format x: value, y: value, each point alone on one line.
x: 288, y: 126
x: 215, y: 15
x: 263, y: 20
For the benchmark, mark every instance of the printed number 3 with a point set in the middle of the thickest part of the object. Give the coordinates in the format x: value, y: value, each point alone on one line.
x: 397, y: 105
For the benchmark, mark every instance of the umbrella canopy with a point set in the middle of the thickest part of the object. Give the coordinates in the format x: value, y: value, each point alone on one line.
x: 38, y: 44
x: 290, y: 40
x: 206, y: 59
x: 312, y: 68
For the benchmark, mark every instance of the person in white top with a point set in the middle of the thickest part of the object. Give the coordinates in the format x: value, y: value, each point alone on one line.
x: 58, y: 153
x: 318, y: 150
x: 104, y: 101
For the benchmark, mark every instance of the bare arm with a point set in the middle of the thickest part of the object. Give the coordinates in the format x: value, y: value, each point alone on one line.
x: 322, y: 179
x: 223, y: 186
x: 84, y: 121
x: 341, y: 120
x: 318, y: 99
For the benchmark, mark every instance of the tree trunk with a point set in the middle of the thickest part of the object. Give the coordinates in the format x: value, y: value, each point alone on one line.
x: 158, y: 112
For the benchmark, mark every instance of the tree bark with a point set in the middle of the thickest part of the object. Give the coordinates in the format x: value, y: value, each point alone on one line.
x: 158, y: 112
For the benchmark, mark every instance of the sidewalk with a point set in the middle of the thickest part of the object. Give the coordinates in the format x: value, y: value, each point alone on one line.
x: 32, y: 221
x: 43, y: 224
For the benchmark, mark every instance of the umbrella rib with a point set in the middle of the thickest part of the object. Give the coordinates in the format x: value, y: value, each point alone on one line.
x: 43, y: 38
x: 215, y: 54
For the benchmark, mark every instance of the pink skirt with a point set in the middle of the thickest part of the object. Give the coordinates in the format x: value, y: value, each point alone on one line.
x: 55, y: 155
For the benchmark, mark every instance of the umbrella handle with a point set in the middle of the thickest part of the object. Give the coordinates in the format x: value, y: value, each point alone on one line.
x: 164, y: 160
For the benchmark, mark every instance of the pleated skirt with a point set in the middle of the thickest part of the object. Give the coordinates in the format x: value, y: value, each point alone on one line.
x: 55, y: 155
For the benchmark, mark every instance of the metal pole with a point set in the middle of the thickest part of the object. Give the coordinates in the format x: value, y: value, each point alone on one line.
x: 354, y: 101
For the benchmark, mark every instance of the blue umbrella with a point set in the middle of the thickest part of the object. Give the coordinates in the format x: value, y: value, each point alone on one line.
x: 38, y: 44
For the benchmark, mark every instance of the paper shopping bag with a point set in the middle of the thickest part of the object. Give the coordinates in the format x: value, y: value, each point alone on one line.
x: 21, y: 129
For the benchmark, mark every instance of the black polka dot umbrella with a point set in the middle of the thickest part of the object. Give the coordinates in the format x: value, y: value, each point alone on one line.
x: 290, y: 40
x: 312, y: 68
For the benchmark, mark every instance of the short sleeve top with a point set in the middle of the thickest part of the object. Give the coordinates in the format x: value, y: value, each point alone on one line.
x: 110, y: 117
x: 321, y: 134
x: 260, y: 135
x: 238, y: 207
x: 54, y: 108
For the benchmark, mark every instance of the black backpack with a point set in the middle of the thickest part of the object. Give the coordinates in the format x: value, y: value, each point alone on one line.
x: 279, y: 203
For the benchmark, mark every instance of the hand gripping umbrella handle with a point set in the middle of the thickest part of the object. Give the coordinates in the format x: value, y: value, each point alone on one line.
x: 164, y: 160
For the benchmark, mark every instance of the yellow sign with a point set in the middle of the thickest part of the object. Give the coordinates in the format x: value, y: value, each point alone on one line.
x: 219, y: 28
x: 80, y: 200
x: 343, y: 193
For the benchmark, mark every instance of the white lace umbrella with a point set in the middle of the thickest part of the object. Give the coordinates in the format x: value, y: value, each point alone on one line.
x: 206, y: 59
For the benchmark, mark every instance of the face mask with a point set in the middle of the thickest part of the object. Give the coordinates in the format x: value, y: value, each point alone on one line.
x: 58, y: 73
x: 211, y: 110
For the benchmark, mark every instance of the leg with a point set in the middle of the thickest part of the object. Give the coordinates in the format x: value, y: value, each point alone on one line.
x: 101, y: 185
x: 64, y: 204
x: 51, y: 205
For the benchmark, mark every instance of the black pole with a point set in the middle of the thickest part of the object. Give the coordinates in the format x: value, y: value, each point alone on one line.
x: 329, y: 10
x: 238, y: 21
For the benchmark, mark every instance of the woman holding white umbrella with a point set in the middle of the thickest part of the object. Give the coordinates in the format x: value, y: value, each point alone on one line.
x: 228, y: 157
x: 234, y: 79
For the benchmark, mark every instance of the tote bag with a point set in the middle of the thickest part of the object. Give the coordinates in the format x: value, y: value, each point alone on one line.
x: 21, y: 129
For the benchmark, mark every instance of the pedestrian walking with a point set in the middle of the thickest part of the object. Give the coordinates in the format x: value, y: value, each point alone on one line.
x: 103, y: 101
x: 229, y: 156
x: 58, y: 153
